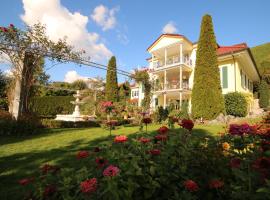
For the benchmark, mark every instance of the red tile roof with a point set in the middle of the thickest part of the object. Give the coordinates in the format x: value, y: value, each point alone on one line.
x: 231, y: 49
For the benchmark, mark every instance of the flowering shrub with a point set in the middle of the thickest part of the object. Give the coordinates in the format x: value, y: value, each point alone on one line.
x: 107, y: 106
x: 231, y: 166
x: 187, y: 124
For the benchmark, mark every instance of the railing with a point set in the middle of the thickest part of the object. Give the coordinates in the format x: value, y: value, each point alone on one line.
x: 171, y: 86
x: 171, y: 61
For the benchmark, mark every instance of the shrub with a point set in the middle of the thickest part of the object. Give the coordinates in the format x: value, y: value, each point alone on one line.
x: 264, y: 94
x: 235, y: 104
x: 51, y: 123
x: 3, y: 104
x: 161, y: 114
x: 27, y: 124
x: 50, y: 106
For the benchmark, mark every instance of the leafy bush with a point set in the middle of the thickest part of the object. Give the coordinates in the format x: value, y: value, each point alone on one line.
x: 235, y: 104
x: 264, y: 94
x: 25, y: 125
x: 51, y: 123
x: 50, y: 106
x: 165, y: 165
x: 3, y: 104
x: 161, y: 114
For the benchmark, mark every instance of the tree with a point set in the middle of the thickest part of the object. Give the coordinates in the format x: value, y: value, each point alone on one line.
x: 25, y: 49
x: 207, y: 99
x: 111, y: 88
x: 263, y: 94
x: 124, y: 92
x: 3, y: 84
x: 79, y: 85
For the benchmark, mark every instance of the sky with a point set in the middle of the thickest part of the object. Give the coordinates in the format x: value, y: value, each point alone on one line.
x: 126, y: 28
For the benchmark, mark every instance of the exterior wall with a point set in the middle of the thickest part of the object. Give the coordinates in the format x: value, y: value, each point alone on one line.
x: 139, y: 89
x: 164, y: 42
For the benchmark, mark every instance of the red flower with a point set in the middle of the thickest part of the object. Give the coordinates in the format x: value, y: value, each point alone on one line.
x: 26, y: 181
x: 89, y: 186
x: 97, y: 149
x: 191, y: 185
x: 163, y: 130
x: 215, y: 184
x: 147, y: 120
x: 144, y: 140
x: 4, y: 29
x: 235, y: 162
x: 262, y: 163
x: 155, y: 152
x: 265, y: 145
x: 161, y: 137
x: 240, y: 129
x: 187, y: 124
x: 111, y: 171
x: 49, y: 191
x: 120, y: 139
x: 82, y: 154
x: 11, y: 25
x: 101, y: 162
x: 49, y: 168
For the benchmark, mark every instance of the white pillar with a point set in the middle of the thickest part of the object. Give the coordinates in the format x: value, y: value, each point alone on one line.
x: 165, y: 80
x: 180, y: 100
x: 164, y: 100
x: 181, y: 77
x: 165, y: 57
x: 189, y: 104
x: 181, y: 53
x: 152, y: 60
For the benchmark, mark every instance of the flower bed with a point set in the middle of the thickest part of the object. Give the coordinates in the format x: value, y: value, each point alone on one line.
x: 170, y: 164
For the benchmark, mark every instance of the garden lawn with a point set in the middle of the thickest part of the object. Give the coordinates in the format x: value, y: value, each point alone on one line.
x: 22, y: 156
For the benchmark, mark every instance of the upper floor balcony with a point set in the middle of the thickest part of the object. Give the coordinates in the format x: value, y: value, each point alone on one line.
x: 171, y: 85
x: 172, y: 61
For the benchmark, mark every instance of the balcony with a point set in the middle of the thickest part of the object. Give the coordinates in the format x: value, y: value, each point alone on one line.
x: 171, y: 85
x: 171, y: 61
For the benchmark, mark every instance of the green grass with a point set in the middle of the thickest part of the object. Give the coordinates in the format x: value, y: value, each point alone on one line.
x: 261, y: 53
x: 22, y: 156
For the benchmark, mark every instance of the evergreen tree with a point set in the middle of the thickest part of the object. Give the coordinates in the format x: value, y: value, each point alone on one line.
x: 264, y: 94
x: 111, y: 89
x: 207, y: 99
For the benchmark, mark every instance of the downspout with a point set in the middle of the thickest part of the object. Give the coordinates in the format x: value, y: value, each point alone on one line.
x: 234, y: 73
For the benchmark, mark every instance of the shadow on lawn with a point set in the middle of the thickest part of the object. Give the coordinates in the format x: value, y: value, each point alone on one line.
x: 23, y: 165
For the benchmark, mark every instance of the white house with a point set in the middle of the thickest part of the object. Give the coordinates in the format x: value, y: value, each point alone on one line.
x: 172, y: 63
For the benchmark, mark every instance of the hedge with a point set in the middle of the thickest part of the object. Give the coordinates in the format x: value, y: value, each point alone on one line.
x: 50, y: 106
x: 235, y: 104
x: 51, y: 123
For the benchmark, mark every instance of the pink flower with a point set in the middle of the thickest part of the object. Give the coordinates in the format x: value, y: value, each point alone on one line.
x: 111, y: 171
x: 191, y: 185
x: 144, y: 140
x: 89, y: 186
x: 161, y: 137
x: 215, y: 184
x: 155, y: 152
x: 49, y: 168
x: 26, y: 181
x: 120, y: 139
x: 49, y: 191
x: 163, y: 130
x: 147, y: 120
x: 235, y: 163
x: 82, y: 154
x: 101, y: 162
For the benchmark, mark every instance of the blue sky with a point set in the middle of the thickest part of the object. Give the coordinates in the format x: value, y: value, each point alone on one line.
x: 129, y: 27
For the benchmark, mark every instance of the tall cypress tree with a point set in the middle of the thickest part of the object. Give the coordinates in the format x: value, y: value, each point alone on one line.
x: 111, y: 89
x: 207, y: 100
x: 264, y: 94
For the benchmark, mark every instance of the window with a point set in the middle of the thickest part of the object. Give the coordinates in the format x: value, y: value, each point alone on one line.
x: 225, y: 77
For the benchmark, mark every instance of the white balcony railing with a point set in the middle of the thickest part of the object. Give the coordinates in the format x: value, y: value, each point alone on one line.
x: 171, y: 86
x: 174, y: 60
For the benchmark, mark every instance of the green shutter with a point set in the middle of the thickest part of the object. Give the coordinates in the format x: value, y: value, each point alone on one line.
x: 224, y: 77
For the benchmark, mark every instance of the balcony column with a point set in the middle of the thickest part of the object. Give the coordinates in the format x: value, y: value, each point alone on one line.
x: 180, y: 100
x: 181, y: 77
x: 165, y: 80
x: 181, y: 53
x: 165, y: 55
x: 152, y: 60
x: 164, y: 100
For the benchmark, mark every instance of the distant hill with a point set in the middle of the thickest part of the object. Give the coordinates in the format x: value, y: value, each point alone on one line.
x: 261, y: 55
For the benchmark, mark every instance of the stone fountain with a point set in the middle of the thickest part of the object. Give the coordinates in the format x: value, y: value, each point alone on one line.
x: 76, y: 115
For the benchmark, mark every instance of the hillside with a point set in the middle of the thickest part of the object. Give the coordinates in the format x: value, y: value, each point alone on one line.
x: 261, y: 54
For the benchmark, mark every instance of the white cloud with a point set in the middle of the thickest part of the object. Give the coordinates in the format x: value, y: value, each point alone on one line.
x: 105, y: 17
x: 169, y: 28
x: 61, y: 22
x: 122, y: 37
x: 72, y: 76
